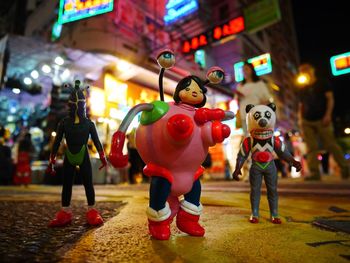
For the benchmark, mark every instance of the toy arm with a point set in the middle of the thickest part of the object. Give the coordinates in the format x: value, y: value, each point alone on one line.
x: 284, y: 154
x: 98, y: 145
x: 56, y: 144
x: 241, y: 157
x: 116, y: 156
x: 58, y: 138
x: 229, y: 115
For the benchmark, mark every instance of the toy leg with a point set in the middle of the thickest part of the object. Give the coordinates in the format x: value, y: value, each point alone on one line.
x: 64, y: 216
x: 255, y: 179
x: 68, y: 179
x: 86, y: 175
x: 190, y: 211
x: 158, y: 211
x: 93, y: 217
x: 270, y: 177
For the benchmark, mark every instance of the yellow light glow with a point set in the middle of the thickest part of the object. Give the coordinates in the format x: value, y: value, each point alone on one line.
x: 53, y: 134
x: 302, y: 79
x: 123, y: 66
x: 97, y: 102
x: 112, y: 124
x: 347, y: 130
x: 116, y: 91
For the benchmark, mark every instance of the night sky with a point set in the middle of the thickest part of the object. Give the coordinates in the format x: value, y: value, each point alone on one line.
x: 323, y: 31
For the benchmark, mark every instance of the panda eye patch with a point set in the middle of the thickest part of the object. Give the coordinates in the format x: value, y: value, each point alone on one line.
x: 268, y: 114
x: 257, y: 115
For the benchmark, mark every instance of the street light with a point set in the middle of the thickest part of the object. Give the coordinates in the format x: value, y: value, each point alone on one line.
x: 303, y: 79
x: 46, y: 68
x: 27, y: 81
x: 34, y: 74
x: 16, y: 91
x: 59, y: 60
x: 347, y: 130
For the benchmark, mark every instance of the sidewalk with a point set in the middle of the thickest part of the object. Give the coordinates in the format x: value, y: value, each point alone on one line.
x: 229, y: 236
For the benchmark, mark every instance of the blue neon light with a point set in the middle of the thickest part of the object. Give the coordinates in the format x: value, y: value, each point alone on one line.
x: 176, y: 9
x: 260, y: 69
x: 56, y: 31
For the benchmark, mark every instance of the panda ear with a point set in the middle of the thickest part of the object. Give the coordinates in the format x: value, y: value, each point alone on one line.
x: 272, y: 106
x: 248, y: 107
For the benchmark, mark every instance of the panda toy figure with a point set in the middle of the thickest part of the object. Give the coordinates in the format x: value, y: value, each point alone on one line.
x: 262, y: 143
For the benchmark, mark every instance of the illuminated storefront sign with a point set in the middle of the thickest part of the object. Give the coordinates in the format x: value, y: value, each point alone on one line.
x: 262, y: 65
x: 340, y: 64
x: 72, y: 10
x: 176, y: 9
x: 231, y: 28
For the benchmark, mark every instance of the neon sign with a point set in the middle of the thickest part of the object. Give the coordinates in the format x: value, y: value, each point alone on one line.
x: 72, y: 10
x: 175, y: 9
x: 56, y: 31
x: 340, y: 64
x: 262, y: 65
x: 231, y: 28
x: 199, y: 58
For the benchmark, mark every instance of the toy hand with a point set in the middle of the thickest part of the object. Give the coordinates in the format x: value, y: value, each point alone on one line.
x: 116, y: 156
x: 297, y: 165
x: 103, y: 160
x: 204, y: 115
x: 50, y: 169
x: 236, y: 174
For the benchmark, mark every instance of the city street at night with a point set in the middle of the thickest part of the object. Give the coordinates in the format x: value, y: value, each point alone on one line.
x: 315, y: 226
x: 174, y: 131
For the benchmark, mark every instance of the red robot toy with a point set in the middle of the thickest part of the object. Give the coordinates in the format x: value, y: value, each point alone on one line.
x: 173, y: 140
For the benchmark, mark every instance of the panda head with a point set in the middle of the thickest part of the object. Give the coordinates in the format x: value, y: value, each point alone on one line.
x: 261, y: 120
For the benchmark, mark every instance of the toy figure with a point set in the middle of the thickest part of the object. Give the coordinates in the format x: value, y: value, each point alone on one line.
x: 173, y: 140
x: 261, y: 143
x: 76, y: 128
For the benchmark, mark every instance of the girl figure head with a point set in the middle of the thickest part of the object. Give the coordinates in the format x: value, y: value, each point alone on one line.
x: 249, y: 73
x: 191, y: 90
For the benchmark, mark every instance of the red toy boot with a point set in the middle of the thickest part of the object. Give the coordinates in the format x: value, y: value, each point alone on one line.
x: 187, y: 219
x: 62, y: 218
x: 93, y: 217
x: 159, y: 222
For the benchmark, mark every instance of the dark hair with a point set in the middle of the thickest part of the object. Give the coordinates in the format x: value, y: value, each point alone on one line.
x: 26, y: 143
x: 255, y: 77
x: 77, y: 105
x: 184, y: 83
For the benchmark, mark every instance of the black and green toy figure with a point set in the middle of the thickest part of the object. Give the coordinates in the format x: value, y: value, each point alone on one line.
x: 77, y: 129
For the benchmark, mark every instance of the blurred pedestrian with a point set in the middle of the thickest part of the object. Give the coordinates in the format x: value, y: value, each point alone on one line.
x: 252, y: 90
x: 289, y: 146
x: 316, y: 104
x: 25, y: 154
x: 136, y: 163
x: 5, y: 160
